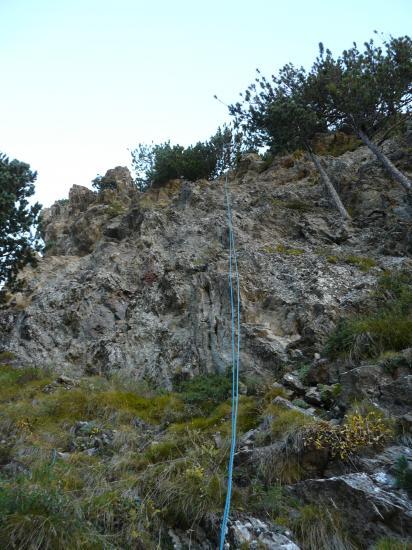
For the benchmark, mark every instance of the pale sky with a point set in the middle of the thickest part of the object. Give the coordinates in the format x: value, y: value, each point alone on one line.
x: 82, y: 81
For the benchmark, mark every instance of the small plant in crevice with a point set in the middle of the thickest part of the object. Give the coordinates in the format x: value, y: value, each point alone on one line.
x: 403, y: 475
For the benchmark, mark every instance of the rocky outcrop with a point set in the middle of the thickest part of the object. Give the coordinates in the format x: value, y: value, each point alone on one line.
x: 367, y: 503
x: 139, y: 281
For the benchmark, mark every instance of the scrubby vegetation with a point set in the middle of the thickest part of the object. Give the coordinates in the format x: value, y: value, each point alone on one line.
x: 321, y: 528
x: 365, y: 91
x: 92, y: 464
x: 358, y: 432
x: 101, y: 463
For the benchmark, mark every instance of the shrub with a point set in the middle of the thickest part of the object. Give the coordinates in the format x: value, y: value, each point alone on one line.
x: 391, y: 544
x: 155, y: 165
x: 289, y: 251
x: 403, y: 475
x: 356, y: 433
x: 101, y: 183
x: 362, y: 262
x: 266, y: 500
x: 206, y: 391
x: 287, y: 421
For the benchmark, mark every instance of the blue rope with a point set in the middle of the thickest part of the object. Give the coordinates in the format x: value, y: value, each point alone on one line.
x: 235, y: 361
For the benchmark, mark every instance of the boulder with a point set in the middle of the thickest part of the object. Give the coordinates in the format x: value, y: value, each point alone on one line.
x: 368, y: 507
x: 293, y: 382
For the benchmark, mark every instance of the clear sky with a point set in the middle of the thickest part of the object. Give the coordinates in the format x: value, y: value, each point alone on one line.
x: 84, y: 80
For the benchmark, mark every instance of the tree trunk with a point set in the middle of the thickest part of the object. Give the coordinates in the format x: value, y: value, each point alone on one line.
x: 390, y: 167
x: 329, y: 185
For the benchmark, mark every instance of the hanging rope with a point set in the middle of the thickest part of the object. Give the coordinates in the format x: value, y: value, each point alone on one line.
x: 235, y: 328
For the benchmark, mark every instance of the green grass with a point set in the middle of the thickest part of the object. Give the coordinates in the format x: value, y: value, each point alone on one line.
x: 206, y: 391
x: 321, y: 527
x: 170, y: 469
x: 294, y: 204
x: 387, y: 326
x: 391, y: 544
x: 364, y: 263
x: 287, y: 421
x: 282, y: 249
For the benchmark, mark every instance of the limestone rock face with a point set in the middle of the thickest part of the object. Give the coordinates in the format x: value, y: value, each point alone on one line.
x: 139, y: 282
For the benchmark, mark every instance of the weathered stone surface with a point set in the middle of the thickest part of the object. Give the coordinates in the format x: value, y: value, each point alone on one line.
x: 292, y: 381
x: 369, y: 507
x: 138, y: 281
x: 313, y: 396
x: 258, y: 534
x: 373, y: 382
x: 285, y: 404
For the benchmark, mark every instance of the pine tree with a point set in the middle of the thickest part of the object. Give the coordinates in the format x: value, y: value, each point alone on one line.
x: 367, y: 91
x: 18, y: 219
x: 276, y: 114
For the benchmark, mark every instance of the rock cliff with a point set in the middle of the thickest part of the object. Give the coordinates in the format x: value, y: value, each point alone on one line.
x: 137, y: 283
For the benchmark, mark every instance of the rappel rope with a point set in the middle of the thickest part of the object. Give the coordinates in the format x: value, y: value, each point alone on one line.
x: 235, y: 327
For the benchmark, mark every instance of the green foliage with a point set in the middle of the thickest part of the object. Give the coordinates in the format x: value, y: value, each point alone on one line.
x: 6, y: 357
x: 156, y: 164
x: 15, y: 382
x: 364, y: 263
x: 365, y: 91
x: 101, y: 183
x: 274, y: 113
x: 388, y: 327
x: 34, y: 518
x: 391, y: 544
x: 303, y: 371
x: 18, y: 219
x: 362, y: 89
x: 287, y: 421
x: 358, y: 431
x: 269, y: 501
x: 205, y: 391
x: 403, y: 475
x: 282, y: 249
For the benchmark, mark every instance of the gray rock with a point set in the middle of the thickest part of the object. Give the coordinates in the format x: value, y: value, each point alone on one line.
x: 293, y: 382
x: 258, y: 534
x: 285, y: 404
x: 313, y: 396
x: 368, y: 506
